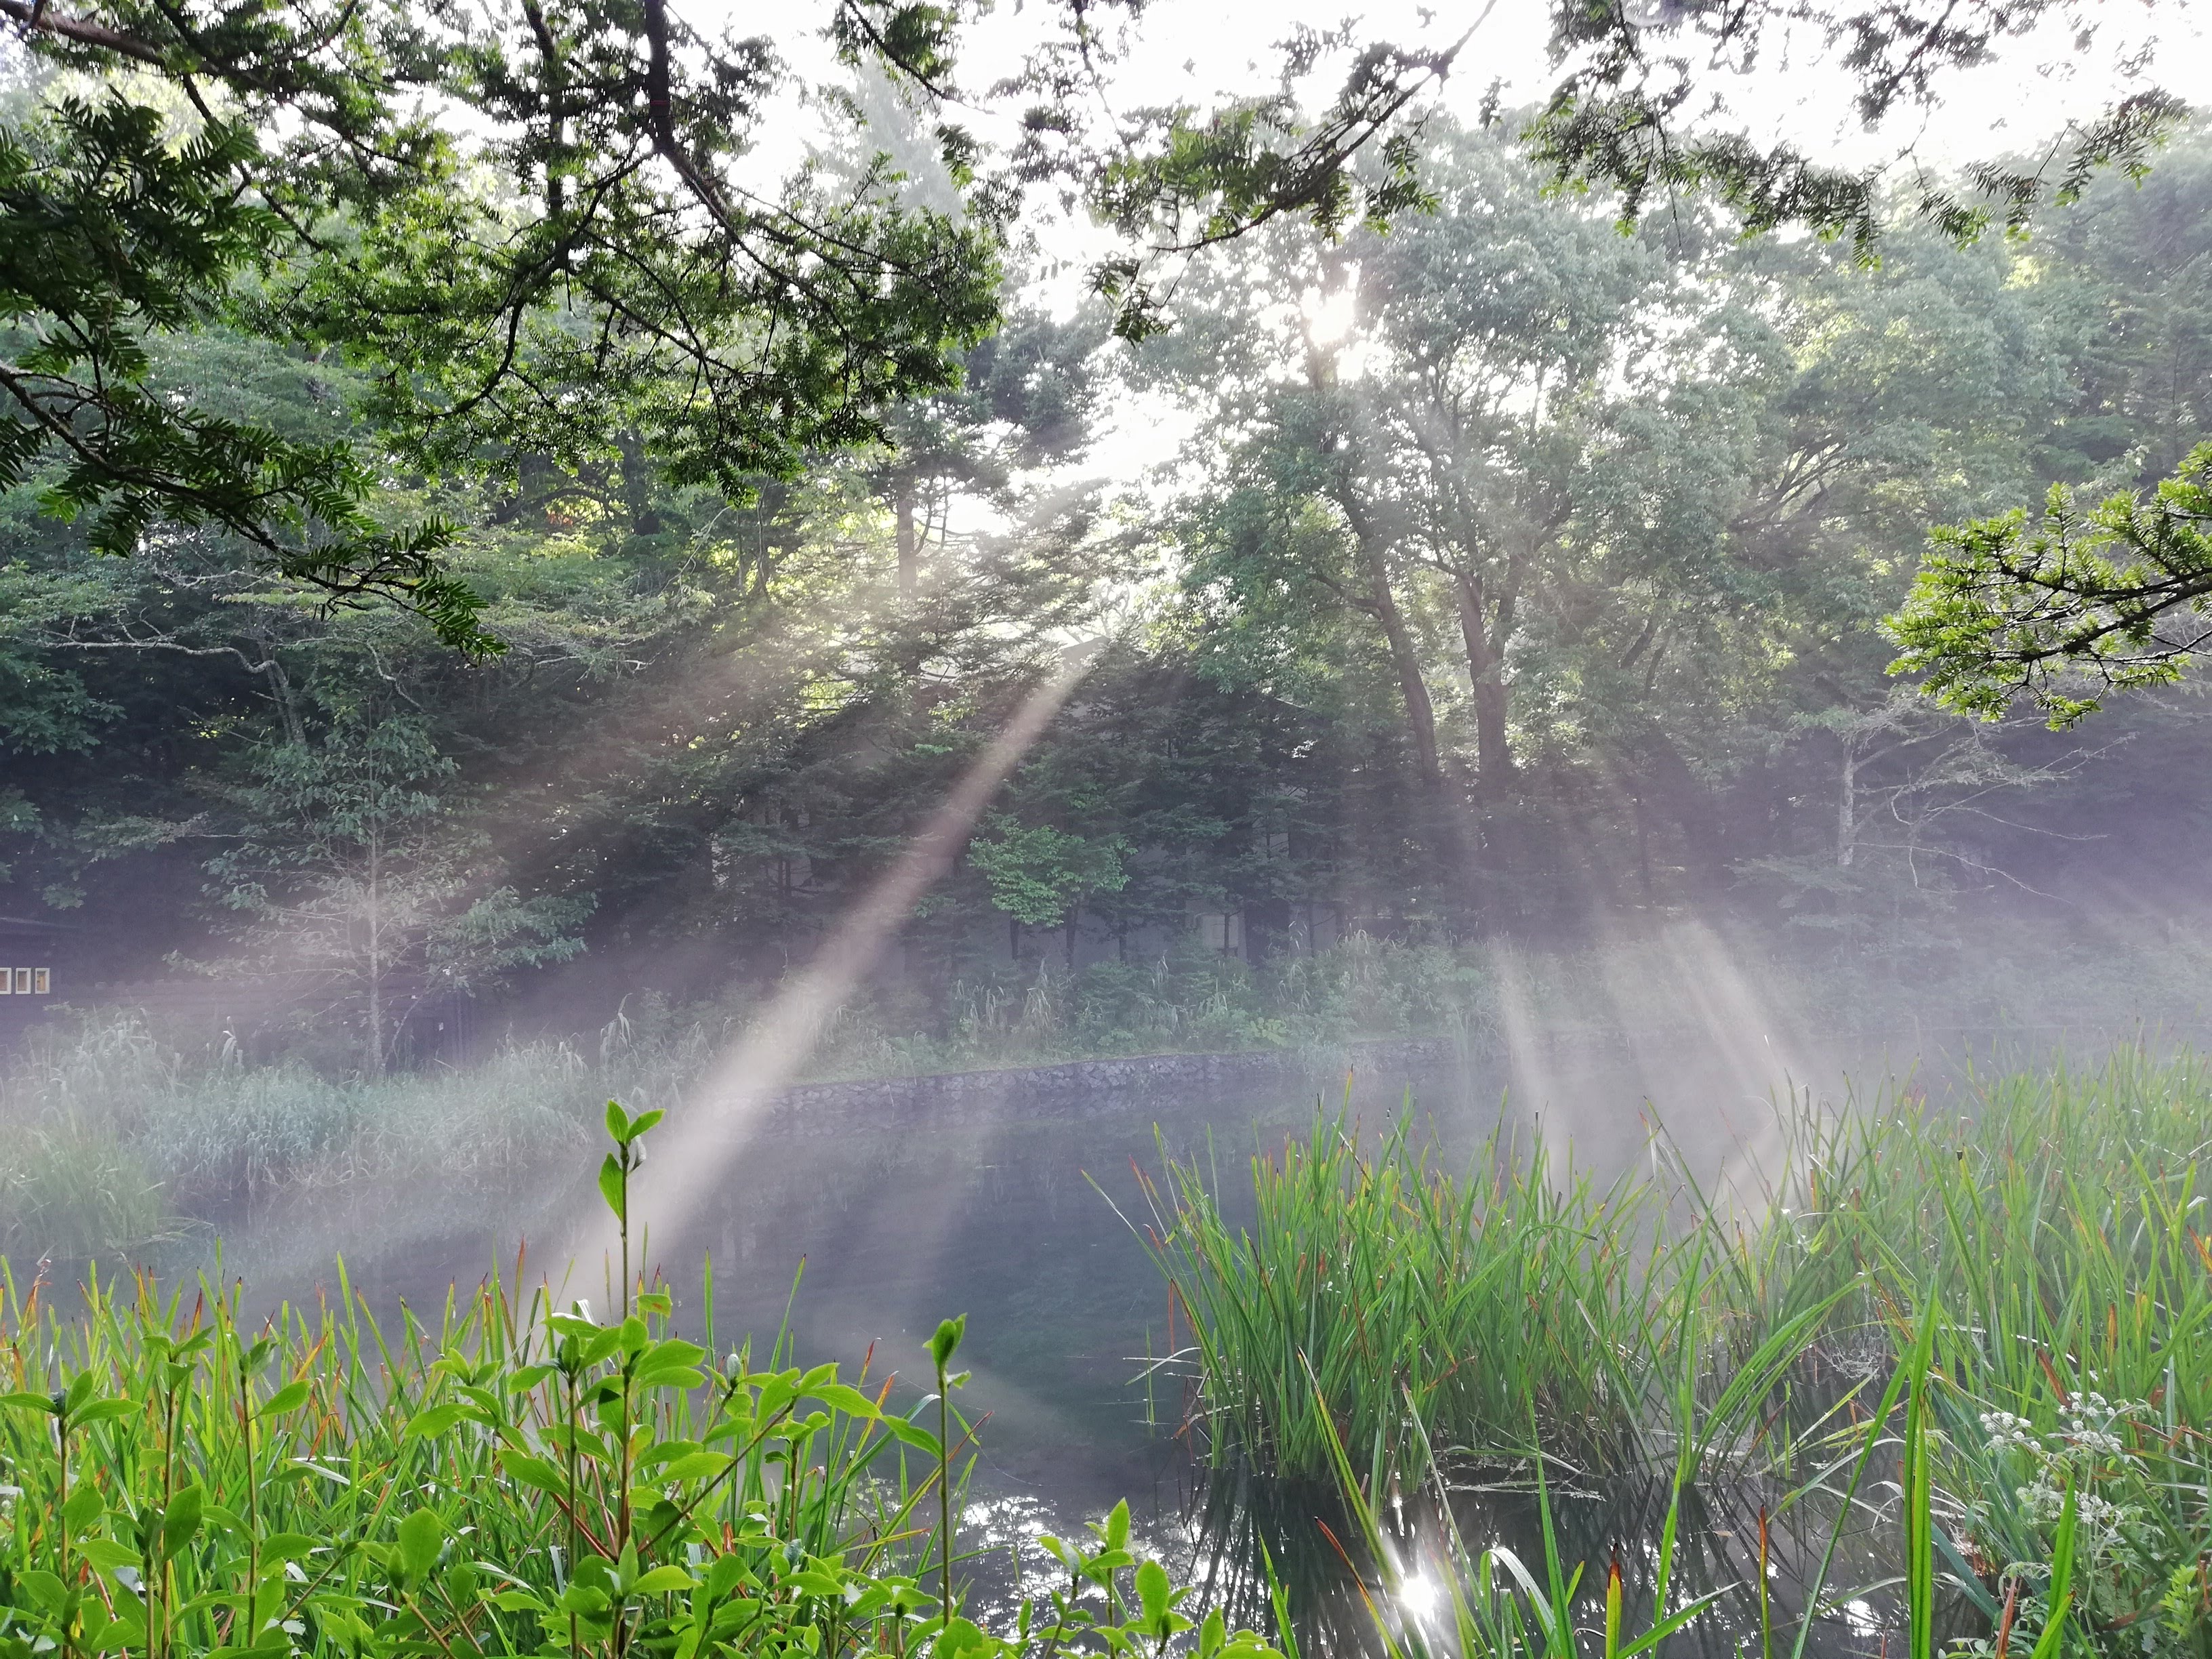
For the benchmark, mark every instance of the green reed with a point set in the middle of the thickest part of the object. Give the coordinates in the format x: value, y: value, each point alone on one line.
x: 180, y: 1478
x: 2052, y: 1235
x: 1519, y: 1306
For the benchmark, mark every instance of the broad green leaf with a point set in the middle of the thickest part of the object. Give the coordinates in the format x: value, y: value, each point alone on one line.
x: 695, y: 1466
x: 289, y: 1398
x: 107, y: 1555
x: 433, y: 1421
x: 1153, y: 1592
x: 843, y: 1397
x: 421, y: 1534
x: 181, y: 1521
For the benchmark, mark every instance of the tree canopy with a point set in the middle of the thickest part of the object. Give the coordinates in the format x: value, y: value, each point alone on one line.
x: 543, y: 230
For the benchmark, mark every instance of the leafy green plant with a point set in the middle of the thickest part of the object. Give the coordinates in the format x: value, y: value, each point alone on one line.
x: 1520, y: 1310
x: 524, y: 1479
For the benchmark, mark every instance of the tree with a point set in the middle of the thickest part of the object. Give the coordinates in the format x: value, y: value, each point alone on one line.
x: 347, y: 870
x: 2107, y: 588
x: 588, y: 272
x: 2117, y: 598
x: 1025, y: 400
x: 633, y: 281
x: 1486, y: 330
x: 1039, y: 876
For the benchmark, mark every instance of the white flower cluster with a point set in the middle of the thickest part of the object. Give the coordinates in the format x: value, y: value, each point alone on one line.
x: 2092, y: 1424
x: 2090, y: 1431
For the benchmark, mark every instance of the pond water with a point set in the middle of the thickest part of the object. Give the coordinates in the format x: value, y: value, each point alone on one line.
x: 863, y: 1238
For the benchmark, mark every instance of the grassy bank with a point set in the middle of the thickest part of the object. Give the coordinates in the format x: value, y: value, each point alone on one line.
x: 2051, y: 1232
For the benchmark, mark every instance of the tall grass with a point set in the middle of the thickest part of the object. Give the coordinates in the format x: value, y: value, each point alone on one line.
x: 1520, y: 1308
x: 2051, y: 1237
x: 108, y: 1134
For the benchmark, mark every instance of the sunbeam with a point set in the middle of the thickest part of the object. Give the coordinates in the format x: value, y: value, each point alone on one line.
x: 699, y: 1146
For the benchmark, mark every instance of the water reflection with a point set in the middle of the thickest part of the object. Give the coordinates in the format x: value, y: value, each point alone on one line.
x: 1467, y: 1552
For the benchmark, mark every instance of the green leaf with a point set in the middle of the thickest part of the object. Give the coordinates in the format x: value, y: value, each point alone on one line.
x: 530, y: 1471
x: 611, y: 1182
x: 1154, y: 1594
x: 421, y: 1534
x: 695, y: 1466
x: 46, y: 1589
x: 843, y: 1397
x: 289, y: 1398
x: 181, y: 1521
x: 725, y: 1575
x: 107, y: 1555
x: 83, y: 1508
x: 433, y: 1421
x: 2061, y: 1582
x: 915, y: 1435
x: 947, y: 1340
x: 661, y: 1581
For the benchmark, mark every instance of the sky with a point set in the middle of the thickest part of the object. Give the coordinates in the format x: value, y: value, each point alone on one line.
x: 1202, y: 50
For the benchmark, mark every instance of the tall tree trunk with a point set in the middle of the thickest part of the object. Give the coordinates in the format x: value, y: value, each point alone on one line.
x: 1847, y: 802
x: 1487, y: 673
x: 280, y: 689
x: 1421, y: 710
x: 1445, y: 827
x: 909, y: 548
x: 637, y: 487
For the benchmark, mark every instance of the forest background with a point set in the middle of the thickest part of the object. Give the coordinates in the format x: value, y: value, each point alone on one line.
x: 1511, y: 614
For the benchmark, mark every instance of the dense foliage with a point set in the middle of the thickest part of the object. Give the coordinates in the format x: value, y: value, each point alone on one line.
x: 1519, y: 579
x: 525, y: 1478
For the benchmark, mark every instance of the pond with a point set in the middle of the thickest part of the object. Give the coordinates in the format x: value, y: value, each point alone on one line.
x: 861, y: 1238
